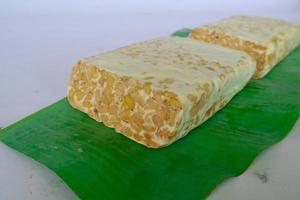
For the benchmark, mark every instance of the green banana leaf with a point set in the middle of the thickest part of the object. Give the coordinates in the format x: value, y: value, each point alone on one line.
x: 98, y: 163
x: 182, y: 32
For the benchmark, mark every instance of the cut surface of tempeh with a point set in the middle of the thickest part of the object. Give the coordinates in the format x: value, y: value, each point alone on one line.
x: 156, y: 91
x: 267, y: 40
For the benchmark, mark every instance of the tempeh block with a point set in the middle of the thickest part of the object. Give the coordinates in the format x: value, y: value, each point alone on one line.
x: 156, y: 91
x: 267, y: 40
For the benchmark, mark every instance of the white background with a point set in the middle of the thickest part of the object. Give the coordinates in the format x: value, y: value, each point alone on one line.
x: 41, y: 40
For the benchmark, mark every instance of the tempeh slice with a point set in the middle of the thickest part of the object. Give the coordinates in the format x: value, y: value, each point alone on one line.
x: 156, y: 91
x: 267, y: 40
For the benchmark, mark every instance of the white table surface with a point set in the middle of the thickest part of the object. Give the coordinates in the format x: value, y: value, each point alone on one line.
x: 41, y: 40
